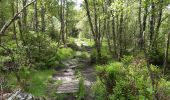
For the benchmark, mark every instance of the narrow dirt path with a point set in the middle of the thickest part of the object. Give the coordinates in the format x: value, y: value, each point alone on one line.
x: 69, y: 82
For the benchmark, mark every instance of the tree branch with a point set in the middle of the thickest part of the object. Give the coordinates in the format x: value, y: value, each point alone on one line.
x: 5, y: 27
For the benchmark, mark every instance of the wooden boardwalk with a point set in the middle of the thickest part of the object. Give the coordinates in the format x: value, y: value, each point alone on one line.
x: 69, y: 81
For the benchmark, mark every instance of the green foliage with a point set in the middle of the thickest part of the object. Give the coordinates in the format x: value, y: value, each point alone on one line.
x: 126, y: 60
x: 129, y: 80
x: 23, y: 75
x: 41, y: 50
x: 164, y: 89
x: 72, y: 44
x: 83, y: 55
x: 34, y: 82
x: 93, y: 56
x: 81, y: 91
x: 99, y: 90
x: 119, y: 6
x: 38, y: 82
x: 65, y: 53
x: 106, y: 54
x: 156, y: 57
x: 10, y: 82
x: 89, y: 42
x: 113, y: 68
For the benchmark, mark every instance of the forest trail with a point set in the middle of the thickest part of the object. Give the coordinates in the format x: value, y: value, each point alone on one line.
x: 68, y: 78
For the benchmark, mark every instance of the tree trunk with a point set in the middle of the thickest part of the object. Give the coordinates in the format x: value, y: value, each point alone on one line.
x: 35, y: 17
x: 144, y: 24
x: 62, y: 18
x: 24, y: 16
x: 43, y: 11
x: 140, y: 26
x: 94, y: 33
x: 159, y: 22
x: 14, y: 26
x: 67, y: 15
x: 117, y: 36
x: 166, y: 52
x: 114, y: 36
x: 108, y: 37
x: 120, y: 35
x: 97, y: 31
x: 152, y: 21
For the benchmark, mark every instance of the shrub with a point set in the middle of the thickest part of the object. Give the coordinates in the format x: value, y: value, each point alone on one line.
x: 108, y: 75
x: 99, y: 90
x: 65, y: 53
x: 126, y: 60
x: 39, y: 49
x: 83, y: 55
x: 156, y: 57
x: 72, y: 44
x: 130, y: 81
x: 81, y: 91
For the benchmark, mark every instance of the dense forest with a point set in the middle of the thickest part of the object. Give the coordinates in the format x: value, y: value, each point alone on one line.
x: 84, y: 50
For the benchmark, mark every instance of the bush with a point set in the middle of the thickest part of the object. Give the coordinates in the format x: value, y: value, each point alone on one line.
x: 83, y: 55
x: 99, y: 90
x: 72, y: 44
x: 126, y: 60
x: 156, y: 57
x: 130, y: 81
x: 81, y: 91
x: 108, y: 74
x: 40, y: 49
x: 64, y: 54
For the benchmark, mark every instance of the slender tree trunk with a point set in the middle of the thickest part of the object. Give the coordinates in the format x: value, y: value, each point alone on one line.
x: 117, y: 36
x: 108, y: 37
x: 114, y: 36
x: 14, y: 26
x: 35, y: 17
x: 89, y: 18
x: 62, y: 18
x: 150, y: 48
x: 120, y: 35
x: 24, y: 16
x: 43, y: 11
x: 152, y: 25
x: 97, y: 31
x: 144, y: 23
x: 67, y: 15
x: 159, y: 22
x: 140, y: 26
x: 36, y: 26
x: 94, y: 33
x: 166, y: 52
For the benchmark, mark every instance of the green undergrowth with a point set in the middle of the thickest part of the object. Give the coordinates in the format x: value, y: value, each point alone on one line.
x: 11, y: 82
x: 38, y: 82
x: 129, y: 79
x: 65, y: 53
